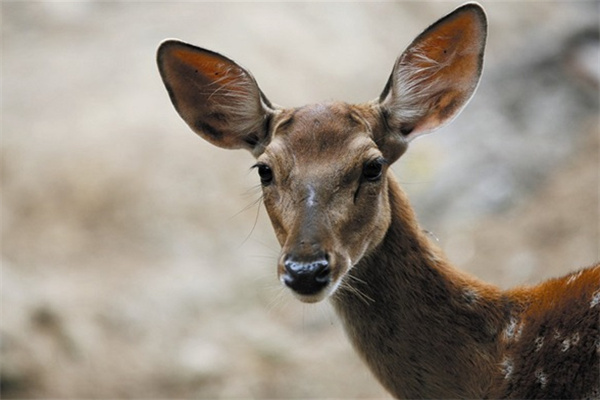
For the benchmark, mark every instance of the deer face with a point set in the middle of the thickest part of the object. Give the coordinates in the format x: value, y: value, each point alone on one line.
x: 325, y: 189
x: 323, y: 167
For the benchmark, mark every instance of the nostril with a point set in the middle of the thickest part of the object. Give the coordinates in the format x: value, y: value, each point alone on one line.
x: 322, y: 272
x: 295, y: 268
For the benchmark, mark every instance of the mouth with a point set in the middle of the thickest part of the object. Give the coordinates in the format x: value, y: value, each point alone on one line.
x: 314, y: 297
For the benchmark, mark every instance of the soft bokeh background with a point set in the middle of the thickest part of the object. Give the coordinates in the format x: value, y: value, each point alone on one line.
x: 136, y: 260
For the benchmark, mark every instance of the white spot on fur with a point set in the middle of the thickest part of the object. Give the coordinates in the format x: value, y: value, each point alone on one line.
x: 565, y: 345
x: 519, y: 331
x: 541, y: 377
x: 595, y: 299
x: 509, y: 332
x: 507, y: 367
x: 539, y: 342
x: 570, y: 342
x: 557, y: 335
x: 310, y: 201
x: 471, y: 296
x: 513, y: 330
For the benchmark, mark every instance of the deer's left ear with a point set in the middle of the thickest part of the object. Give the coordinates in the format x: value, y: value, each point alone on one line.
x: 437, y: 74
x: 216, y: 97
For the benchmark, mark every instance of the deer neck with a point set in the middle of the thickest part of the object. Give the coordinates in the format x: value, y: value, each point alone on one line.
x: 425, y: 328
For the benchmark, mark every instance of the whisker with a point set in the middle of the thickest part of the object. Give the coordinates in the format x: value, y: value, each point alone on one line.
x: 279, y: 299
x: 268, y: 246
x: 252, y: 204
x: 255, y: 203
x: 347, y: 285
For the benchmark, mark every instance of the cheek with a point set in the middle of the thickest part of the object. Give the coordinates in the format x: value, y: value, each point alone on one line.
x: 367, y: 222
x: 281, y: 214
x: 271, y: 203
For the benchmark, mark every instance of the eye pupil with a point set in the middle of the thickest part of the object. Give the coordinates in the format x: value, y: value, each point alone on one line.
x: 372, y: 170
x: 265, y: 173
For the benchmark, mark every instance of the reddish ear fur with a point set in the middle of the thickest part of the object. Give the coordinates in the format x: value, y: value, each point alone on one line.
x: 437, y: 74
x: 216, y: 97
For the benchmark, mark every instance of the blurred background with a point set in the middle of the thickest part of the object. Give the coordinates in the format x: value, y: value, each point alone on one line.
x: 137, y: 261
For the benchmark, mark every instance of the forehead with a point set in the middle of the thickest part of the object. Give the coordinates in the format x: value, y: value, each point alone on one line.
x: 323, y: 132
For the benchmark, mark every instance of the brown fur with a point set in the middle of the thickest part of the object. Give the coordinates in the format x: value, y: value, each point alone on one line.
x: 347, y: 231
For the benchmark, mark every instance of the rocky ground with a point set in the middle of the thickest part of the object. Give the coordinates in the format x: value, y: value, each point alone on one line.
x: 137, y: 261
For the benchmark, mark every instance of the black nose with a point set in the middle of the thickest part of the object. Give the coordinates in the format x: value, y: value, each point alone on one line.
x: 307, y: 277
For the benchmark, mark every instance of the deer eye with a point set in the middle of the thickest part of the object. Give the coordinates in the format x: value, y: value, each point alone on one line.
x: 266, y: 174
x: 373, y: 170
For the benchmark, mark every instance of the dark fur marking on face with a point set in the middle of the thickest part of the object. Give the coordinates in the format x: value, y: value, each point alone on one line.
x: 208, y: 129
x: 252, y: 139
x: 219, y: 116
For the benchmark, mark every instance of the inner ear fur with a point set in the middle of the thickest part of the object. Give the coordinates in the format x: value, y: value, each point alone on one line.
x: 216, y: 97
x: 436, y: 76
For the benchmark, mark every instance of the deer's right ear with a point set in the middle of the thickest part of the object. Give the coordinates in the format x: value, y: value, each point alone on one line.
x: 216, y: 97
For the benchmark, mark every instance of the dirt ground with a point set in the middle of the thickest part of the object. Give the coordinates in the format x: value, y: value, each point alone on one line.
x: 137, y: 261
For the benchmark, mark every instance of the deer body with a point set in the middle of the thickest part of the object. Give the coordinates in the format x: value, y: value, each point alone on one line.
x: 347, y: 231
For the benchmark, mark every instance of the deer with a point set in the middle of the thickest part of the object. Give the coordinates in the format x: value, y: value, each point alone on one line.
x: 347, y: 232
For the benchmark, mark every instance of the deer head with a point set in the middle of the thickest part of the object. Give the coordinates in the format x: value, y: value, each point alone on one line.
x: 324, y: 167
